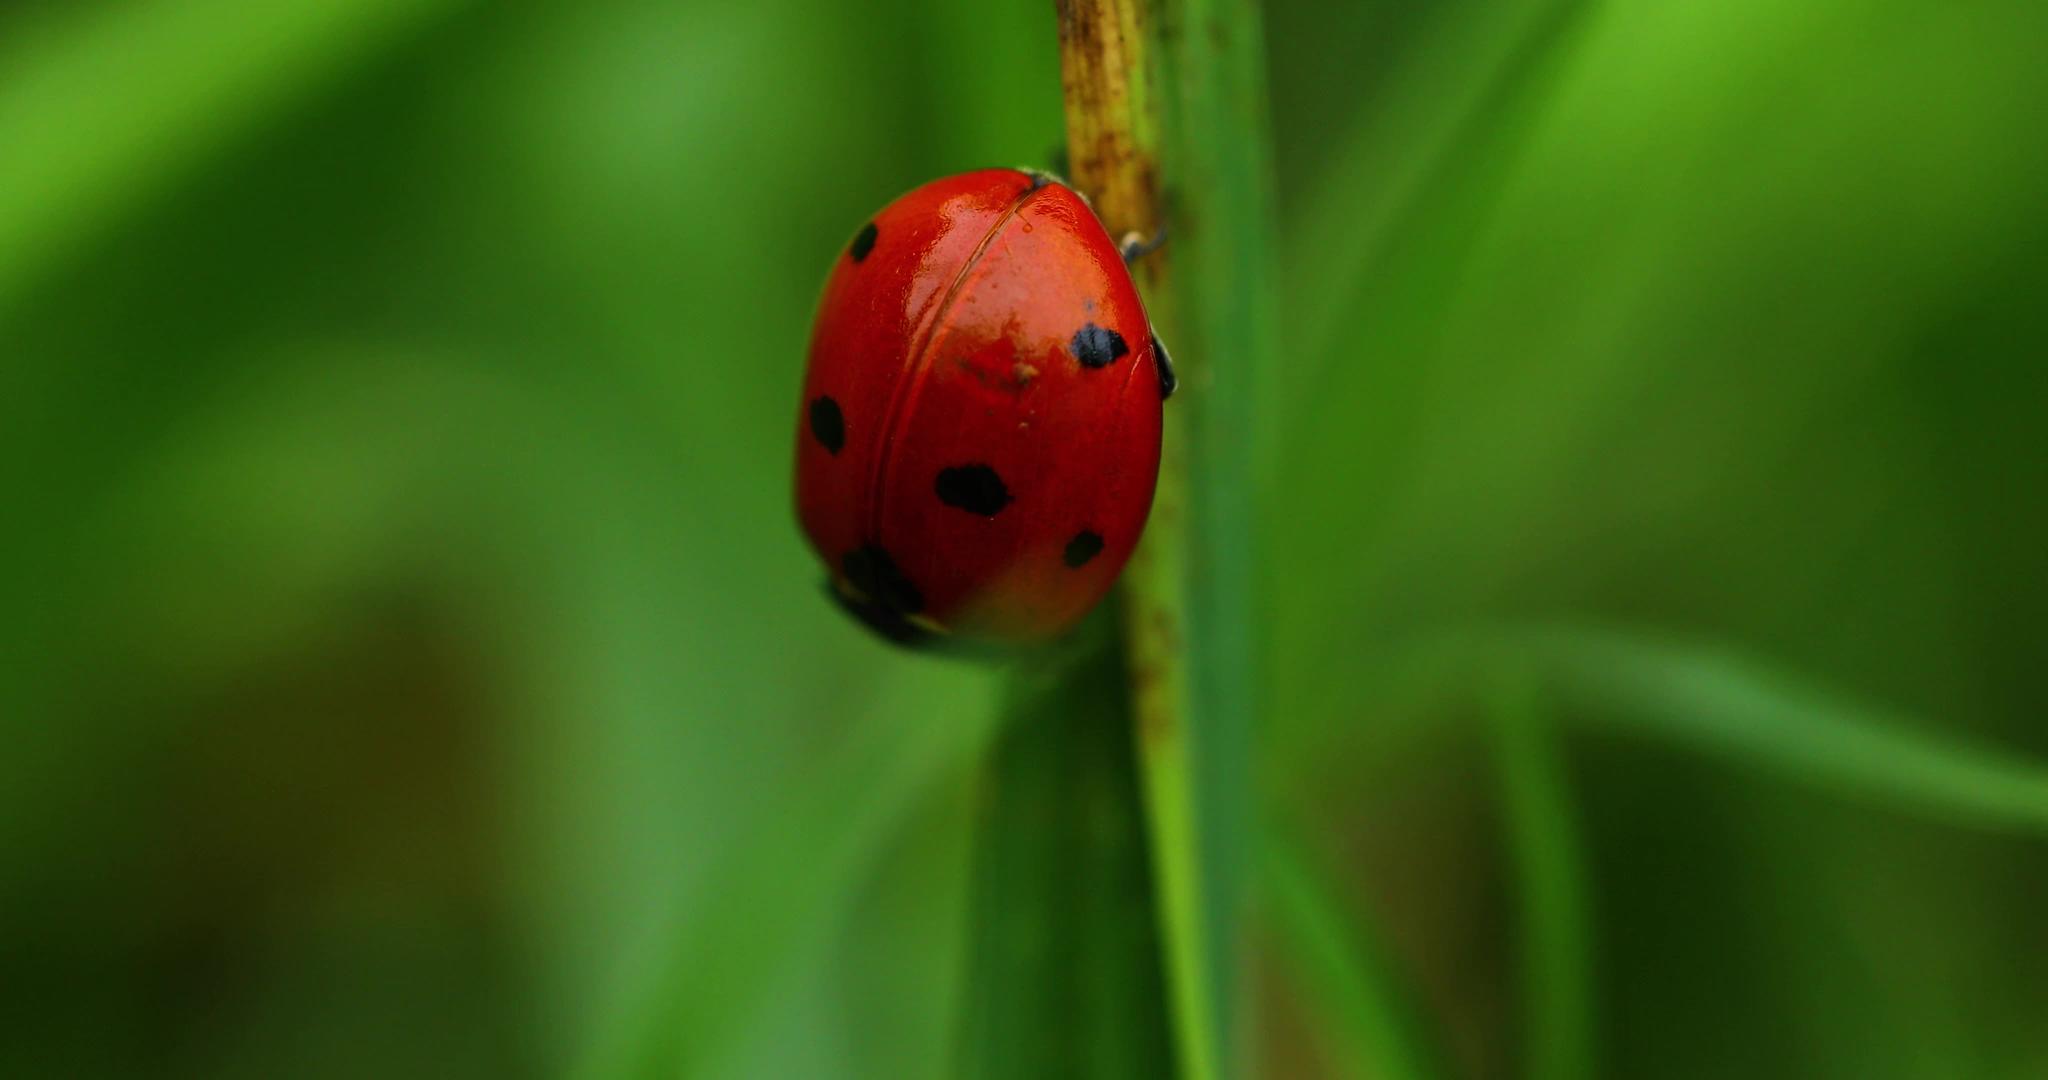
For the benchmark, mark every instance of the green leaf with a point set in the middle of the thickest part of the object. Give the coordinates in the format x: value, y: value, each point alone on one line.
x: 1166, y: 112
x: 1064, y: 973
x: 1714, y: 699
x: 1216, y: 153
x: 1721, y: 702
x: 1535, y: 683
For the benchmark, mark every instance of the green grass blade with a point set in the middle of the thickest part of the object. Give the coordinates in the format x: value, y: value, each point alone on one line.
x: 1344, y: 969
x: 1185, y: 907
x: 1717, y: 700
x: 1166, y: 121
x: 1555, y: 930
x: 1726, y: 704
x: 1537, y: 681
x: 1217, y: 157
x: 1064, y: 974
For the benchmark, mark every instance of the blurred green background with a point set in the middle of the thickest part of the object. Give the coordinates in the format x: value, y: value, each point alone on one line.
x: 412, y: 666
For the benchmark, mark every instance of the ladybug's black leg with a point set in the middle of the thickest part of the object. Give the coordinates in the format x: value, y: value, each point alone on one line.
x: 1136, y: 246
x: 1167, y: 379
x: 883, y: 620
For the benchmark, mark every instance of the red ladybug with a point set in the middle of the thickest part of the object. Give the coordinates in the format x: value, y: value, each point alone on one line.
x: 979, y: 434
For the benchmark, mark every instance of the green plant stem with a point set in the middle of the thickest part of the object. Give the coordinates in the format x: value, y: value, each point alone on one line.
x: 1216, y: 160
x: 1165, y: 106
x: 1170, y: 812
x: 1112, y: 148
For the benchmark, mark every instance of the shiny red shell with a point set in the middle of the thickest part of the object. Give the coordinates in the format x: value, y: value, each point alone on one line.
x: 978, y: 438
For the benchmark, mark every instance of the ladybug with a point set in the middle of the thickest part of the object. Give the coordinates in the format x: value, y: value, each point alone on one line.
x: 978, y: 438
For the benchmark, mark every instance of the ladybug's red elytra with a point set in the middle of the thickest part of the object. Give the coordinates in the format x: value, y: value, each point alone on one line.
x: 979, y: 434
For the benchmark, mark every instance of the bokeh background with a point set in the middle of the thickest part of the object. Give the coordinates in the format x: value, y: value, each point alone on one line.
x: 410, y: 658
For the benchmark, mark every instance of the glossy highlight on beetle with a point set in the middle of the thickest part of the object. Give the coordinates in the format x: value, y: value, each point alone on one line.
x: 979, y: 429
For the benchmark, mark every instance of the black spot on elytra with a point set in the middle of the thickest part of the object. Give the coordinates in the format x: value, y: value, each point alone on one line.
x: 870, y: 570
x: 1097, y: 347
x: 828, y: 424
x: 1085, y: 545
x: 863, y: 242
x: 973, y: 488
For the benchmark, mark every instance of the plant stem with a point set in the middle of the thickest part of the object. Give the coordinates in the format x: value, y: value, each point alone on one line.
x: 1129, y: 74
x: 1112, y: 149
x: 1112, y: 126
